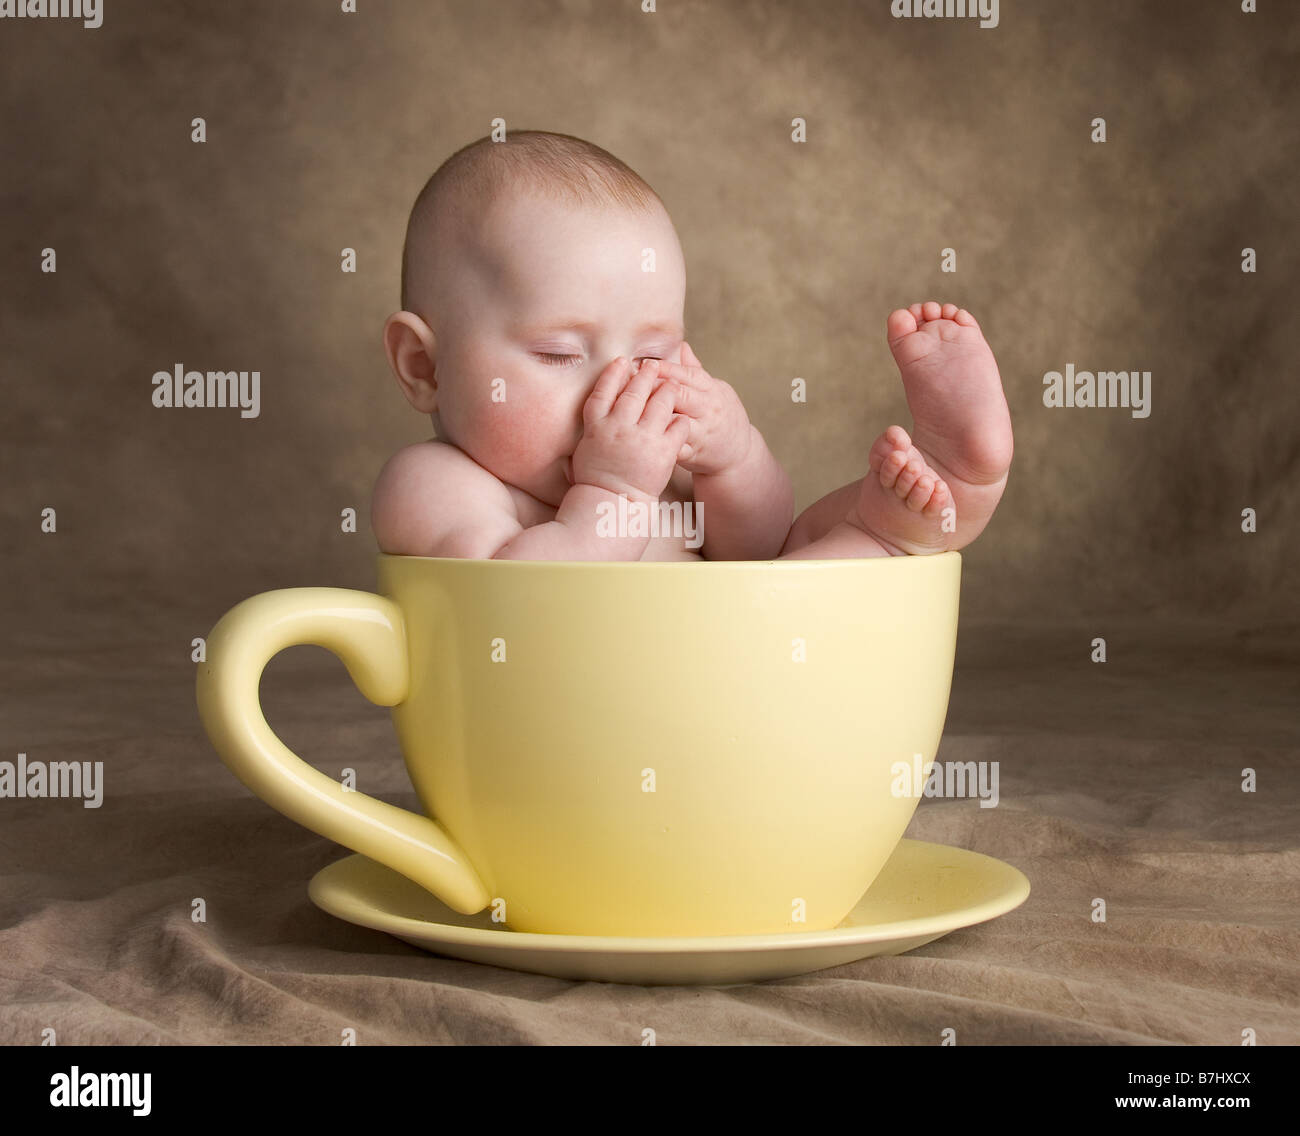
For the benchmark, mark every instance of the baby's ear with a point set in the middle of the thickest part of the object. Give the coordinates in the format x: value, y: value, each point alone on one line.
x: 409, y: 344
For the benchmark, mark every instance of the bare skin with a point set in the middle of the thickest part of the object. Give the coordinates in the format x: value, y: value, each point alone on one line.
x: 544, y: 426
x: 955, y: 462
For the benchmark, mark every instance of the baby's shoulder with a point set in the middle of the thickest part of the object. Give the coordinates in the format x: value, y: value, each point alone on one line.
x: 419, y: 453
x: 431, y: 489
x: 421, y: 464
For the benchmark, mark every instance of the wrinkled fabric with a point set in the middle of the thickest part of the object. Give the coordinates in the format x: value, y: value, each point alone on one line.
x: 1119, y: 781
x: 1125, y: 798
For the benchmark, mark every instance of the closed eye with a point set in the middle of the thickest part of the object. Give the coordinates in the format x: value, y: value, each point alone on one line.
x: 567, y: 360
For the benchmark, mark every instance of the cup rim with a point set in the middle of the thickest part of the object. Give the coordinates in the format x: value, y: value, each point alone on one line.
x: 840, y: 563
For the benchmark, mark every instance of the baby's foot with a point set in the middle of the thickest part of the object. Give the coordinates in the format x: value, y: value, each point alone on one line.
x: 901, y: 502
x: 902, y: 468
x: 961, y: 438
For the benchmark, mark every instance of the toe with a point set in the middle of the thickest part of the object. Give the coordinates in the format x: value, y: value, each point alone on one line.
x: 900, y: 323
x: 938, y: 500
x: 879, y: 452
x: 964, y: 318
x: 891, y: 467
x: 930, y: 310
x: 918, y: 498
x: 907, y: 478
x: 948, y: 311
x: 897, y: 437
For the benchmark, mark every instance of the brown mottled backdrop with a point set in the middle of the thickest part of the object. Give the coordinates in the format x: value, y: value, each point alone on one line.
x: 921, y: 135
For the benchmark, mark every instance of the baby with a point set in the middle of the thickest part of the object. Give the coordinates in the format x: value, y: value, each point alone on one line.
x: 543, y: 289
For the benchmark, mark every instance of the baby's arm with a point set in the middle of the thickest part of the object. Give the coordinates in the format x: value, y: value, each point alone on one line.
x: 432, y: 499
x: 747, y: 509
x: 746, y: 499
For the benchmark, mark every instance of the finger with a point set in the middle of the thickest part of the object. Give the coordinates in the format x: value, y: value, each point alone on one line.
x: 688, y: 356
x: 659, y: 407
x: 631, y: 402
x: 679, y: 431
x: 606, y: 390
x: 687, y: 375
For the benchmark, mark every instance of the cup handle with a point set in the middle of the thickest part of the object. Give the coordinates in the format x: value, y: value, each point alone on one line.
x: 368, y: 633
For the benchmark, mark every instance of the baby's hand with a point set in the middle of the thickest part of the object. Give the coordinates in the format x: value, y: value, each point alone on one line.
x: 720, y: 431
x: 631, y: 437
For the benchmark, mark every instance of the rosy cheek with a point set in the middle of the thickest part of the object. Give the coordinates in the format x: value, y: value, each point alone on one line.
x: 523, y: 428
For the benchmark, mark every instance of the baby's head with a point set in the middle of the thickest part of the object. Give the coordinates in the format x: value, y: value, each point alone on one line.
x: 530, y: 265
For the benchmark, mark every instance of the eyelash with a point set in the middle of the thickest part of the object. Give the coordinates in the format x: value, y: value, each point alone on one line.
x: 565, y: 358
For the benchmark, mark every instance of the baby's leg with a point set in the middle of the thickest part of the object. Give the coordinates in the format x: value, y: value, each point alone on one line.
x: 821, y: 531
x: 960, y: 444
x: 895, y: 510
x: 936, y: 489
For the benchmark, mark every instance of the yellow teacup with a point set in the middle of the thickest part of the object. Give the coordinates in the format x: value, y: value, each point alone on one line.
x: 618, y: 748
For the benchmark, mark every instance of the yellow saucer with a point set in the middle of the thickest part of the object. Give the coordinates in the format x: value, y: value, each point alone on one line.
x: 923, y: 892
